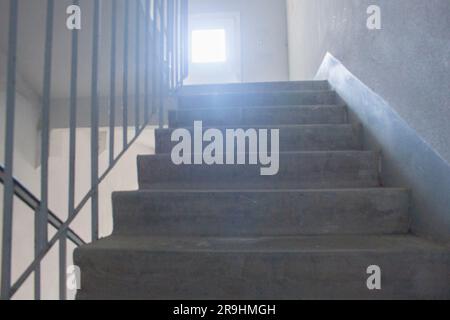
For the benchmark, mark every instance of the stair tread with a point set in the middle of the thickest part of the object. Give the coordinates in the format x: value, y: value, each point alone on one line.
x: 274, y: 92
x: 299, y: 244
x: 321, y: 137
x: 258, y: 108
x: 226, y: 232
x: 257, y: 86
x: 263, y: 98
x: 261, y: 115
x: 256, y: 83
x: 261, y: 268
x: 271, y: 126
x: 231, y: 190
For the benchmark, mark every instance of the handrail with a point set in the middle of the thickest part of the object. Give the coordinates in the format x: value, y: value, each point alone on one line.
x: 164, y: 54
x: 34, y: 204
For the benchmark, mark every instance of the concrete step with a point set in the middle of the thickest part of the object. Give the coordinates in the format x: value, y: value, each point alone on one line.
x: 225, y: 213
x: 275, y: 115
x: 297, y: 170
x: 309, y: 267
x: 292, y: 138
x: 283, y: 98
x: 256, y: 87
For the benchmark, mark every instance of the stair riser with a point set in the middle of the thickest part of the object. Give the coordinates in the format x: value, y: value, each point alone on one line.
x: 263, y: 275
x: 299, y: 138
x: 259, y: 116
x: 257, y: 99
x: 257, y: 87
x: 321, y: 170
x: 260, y: 213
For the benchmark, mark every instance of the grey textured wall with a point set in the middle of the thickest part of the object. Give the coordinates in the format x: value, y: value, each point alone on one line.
x: 31, y: 40
x: 407, y: 62
x: 407, y: 160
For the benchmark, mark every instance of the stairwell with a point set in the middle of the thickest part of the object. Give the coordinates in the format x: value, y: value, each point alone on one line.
x: 226, y: 232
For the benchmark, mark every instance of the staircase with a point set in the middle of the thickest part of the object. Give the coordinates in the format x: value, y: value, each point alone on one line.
x: 226, y: 232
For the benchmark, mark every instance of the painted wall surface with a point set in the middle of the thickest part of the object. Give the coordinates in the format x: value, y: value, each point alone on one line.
x: 407, y: 160
x: 407, y: 62
x: 29, y: 175
x: 27, y: 129
x: 263, y: 35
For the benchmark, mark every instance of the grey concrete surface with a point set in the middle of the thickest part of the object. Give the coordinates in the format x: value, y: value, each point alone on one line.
x: 226, y: 232
x: 298, y: 170
x: 207, y: 100
x: 263, y: 35
x: 256, y: 87
x: 257, y: 116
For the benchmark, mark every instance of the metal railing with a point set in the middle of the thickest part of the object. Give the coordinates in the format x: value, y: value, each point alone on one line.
x: 164, y: 56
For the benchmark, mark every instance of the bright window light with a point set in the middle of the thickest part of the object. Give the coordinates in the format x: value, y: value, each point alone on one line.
x: 209, y: 46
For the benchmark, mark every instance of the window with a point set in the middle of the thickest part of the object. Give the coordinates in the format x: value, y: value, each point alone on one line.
x: 209, y: 46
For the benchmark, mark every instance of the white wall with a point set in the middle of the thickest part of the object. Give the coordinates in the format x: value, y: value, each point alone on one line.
x: 23, y: 234
x: 263, y: 35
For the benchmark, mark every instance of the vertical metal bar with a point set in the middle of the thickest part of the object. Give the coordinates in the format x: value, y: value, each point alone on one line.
x: 73, y: 117
x: 181, y: 30
x: 177, y: 42
x: 155, y: 56
x: 112, y: 84
x: 62, y: 266
x: 173, y: 26
x: 8, y: 192
x: 186, y: 38
x: 125, y: 74
x: 37, y: 270
x: 72, y: 154
x: 42, y: 221
x: 174, y: 43
x: 94, y: 121
x: 166, y: 33
x: 170, y: 34
x: 147, y: 61
x: 181, y: 38
x: 136, y: 70
x: 162, y: 65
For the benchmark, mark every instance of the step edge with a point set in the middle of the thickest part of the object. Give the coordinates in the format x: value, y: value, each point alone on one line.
x: 223, y: 191
x: 371, y: 244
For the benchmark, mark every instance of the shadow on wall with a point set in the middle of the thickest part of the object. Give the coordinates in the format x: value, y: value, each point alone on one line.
x: 407, y: 159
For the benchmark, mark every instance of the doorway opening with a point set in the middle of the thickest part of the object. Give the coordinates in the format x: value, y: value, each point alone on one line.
x: 209, y: 46
x: 214, y: 48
